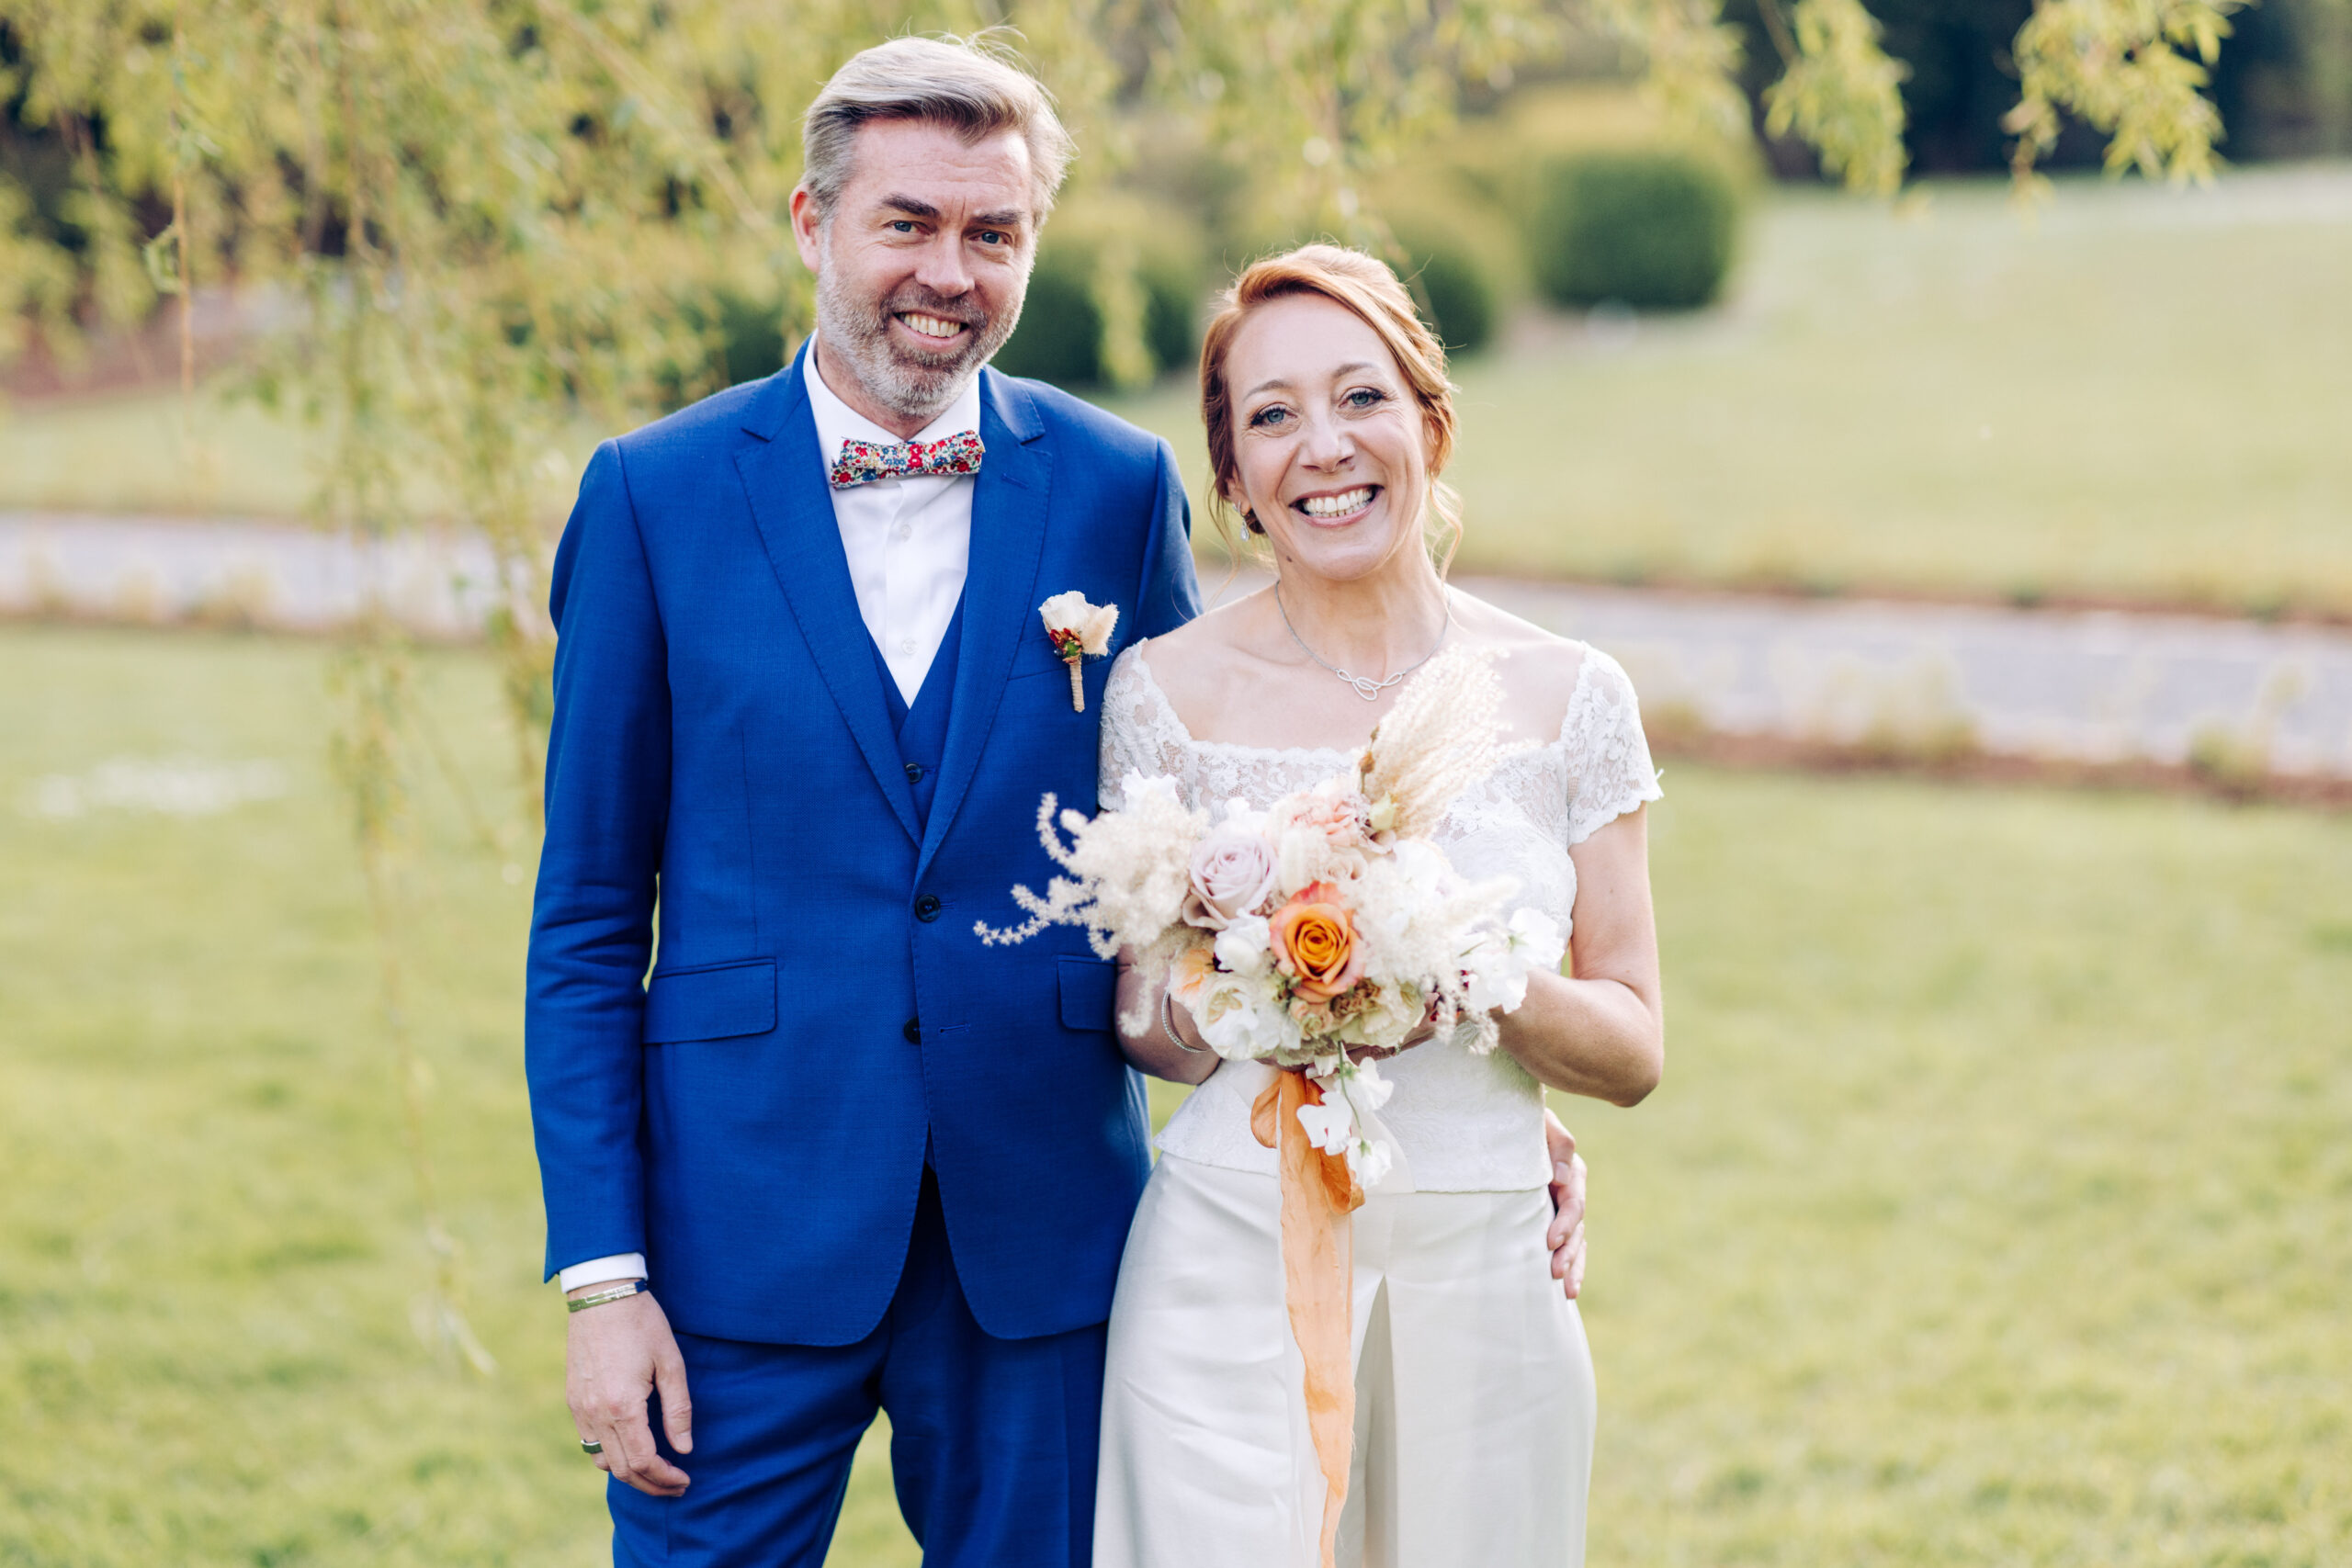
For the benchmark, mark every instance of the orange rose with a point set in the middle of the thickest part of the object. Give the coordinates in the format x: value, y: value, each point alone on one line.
x: 1315, y: 943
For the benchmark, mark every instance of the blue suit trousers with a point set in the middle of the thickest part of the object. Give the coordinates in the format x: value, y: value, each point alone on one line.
x: 992, y: 1441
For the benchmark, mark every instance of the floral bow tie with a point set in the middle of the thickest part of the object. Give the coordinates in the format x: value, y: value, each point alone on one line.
x: 863, y: 462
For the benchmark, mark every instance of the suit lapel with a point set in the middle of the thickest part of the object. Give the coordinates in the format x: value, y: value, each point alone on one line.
x: 1001, y: 595
x: 783, y: 476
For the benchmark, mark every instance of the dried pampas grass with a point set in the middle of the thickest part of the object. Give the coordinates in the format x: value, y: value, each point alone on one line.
x: 1440, y: 738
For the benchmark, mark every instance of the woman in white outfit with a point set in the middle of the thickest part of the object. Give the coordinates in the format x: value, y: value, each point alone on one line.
x: 1330, y: 419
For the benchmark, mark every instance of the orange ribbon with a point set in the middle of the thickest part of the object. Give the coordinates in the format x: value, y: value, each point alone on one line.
x: 1318, y: 1264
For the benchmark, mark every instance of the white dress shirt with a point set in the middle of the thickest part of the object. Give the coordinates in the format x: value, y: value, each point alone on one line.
x: 908, y: 543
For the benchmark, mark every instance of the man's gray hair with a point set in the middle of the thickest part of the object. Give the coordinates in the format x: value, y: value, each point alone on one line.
x: 971, y: 85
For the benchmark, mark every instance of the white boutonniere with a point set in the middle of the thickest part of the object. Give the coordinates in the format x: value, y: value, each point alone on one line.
x: 1079, y: 631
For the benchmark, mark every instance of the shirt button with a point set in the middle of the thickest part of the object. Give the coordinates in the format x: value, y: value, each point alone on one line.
x: 927, y: 907
x: 902, y: 533
x: 907, y: 646
x: 913, y: 1031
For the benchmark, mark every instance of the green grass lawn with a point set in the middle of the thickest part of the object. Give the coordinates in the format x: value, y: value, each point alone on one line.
x: 2141, y: 394
x: 1997, y: 1206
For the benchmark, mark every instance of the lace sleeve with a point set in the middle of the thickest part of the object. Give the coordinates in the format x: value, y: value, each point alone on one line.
x: 1139, y: 734
x: 1609, y: 757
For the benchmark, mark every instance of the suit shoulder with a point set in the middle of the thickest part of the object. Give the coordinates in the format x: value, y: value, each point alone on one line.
x: 1070, y: 418
x: 716, y: 416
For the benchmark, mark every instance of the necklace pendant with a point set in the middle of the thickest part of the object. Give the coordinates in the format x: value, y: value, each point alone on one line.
x: 1365, y: 686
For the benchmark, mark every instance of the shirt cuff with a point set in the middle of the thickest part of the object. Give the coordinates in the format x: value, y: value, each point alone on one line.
x: 602, y: 1271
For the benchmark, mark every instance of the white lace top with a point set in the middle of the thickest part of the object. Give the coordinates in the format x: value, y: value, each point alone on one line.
x: 1461, y: 1123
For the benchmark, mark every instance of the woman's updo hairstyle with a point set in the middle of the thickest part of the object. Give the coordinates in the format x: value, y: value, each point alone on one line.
x: 1363, y: 286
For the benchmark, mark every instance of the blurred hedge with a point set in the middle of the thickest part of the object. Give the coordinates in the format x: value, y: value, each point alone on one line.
x: 1456, y: 294
x: 1456, y: 257
x: 1127, y: 254
x: 741, y: 337
x: 1654, y: 230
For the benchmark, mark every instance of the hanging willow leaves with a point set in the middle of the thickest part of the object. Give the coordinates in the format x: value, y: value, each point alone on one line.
x: 1842, y: 94
x: 2119, y: 64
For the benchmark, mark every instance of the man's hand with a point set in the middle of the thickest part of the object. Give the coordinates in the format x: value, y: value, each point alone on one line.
x: 1566, y: 1238
x: 614, y: 1356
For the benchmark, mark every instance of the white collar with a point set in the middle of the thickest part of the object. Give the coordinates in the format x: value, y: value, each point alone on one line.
x: 837, y: 421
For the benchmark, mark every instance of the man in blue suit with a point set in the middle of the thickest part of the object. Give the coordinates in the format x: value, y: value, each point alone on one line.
x: 831, y: 1155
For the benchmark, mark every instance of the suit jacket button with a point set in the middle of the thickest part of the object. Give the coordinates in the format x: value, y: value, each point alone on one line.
x: 913, y: 1031
x: 927, y: 907
x: 914, y: 772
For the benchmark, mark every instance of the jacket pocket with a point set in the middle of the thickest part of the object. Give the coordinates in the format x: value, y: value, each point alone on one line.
x: 715, y: 1001
x: 1089, y: 992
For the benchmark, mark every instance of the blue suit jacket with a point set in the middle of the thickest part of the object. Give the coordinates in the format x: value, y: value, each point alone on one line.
x: 753, y: 1115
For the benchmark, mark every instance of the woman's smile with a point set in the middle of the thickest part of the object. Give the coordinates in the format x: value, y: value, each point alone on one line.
x: 1332, y: 507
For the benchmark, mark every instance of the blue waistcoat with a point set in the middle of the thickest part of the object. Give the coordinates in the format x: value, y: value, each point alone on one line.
x: 752, y: 1107
x: 921, y: 729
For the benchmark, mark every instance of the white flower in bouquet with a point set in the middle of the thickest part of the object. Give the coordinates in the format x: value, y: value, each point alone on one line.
x: 1239, y: 1015
x: 1129, y: 870
x: 1245, y: 946
x: 1343, y: 1123
x: 1505, y: 956
x: 1321, y: 836
x: 1328, y: 1125
x: 1408, y: 933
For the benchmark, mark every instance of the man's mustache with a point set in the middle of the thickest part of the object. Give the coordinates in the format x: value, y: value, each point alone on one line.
x: 927, y: 303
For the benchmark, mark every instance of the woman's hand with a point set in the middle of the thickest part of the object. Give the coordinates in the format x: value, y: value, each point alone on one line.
x: 1566, y: 1235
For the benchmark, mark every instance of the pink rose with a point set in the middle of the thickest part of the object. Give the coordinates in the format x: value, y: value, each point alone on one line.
x: 1232, y: 873
x: 1339, y: 817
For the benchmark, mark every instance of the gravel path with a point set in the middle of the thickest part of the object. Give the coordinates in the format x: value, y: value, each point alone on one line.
x: 2095, y: 686
x: 2075, y: 685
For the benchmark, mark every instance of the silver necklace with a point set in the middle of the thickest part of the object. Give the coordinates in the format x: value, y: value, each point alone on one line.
x: 1366, y: 687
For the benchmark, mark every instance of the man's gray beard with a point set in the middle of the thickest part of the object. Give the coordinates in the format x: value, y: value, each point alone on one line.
x: 913, y: 388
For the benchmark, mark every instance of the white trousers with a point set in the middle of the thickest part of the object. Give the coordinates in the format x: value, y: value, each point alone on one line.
x: 1473, y: 1387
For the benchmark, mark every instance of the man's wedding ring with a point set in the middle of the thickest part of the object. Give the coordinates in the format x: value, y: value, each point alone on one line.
x: 591, y: 1446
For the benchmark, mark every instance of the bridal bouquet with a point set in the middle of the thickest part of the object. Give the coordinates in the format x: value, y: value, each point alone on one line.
x: 1327, y: 924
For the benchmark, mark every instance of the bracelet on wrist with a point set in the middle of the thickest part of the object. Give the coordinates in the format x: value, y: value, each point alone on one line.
x: 1168, y: 1025
x: 620, y: 1292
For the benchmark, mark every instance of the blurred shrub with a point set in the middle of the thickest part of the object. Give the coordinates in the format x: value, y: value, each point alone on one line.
x: 1060, y: 335
x: 728, y: 337
x: 1458, y: 258
x: 1499, y: 159
x: 1172, y: 310
x: 1097, y: 260
x: 1655, y: 230
x: 750, y: 337
x: 1455, y: 294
